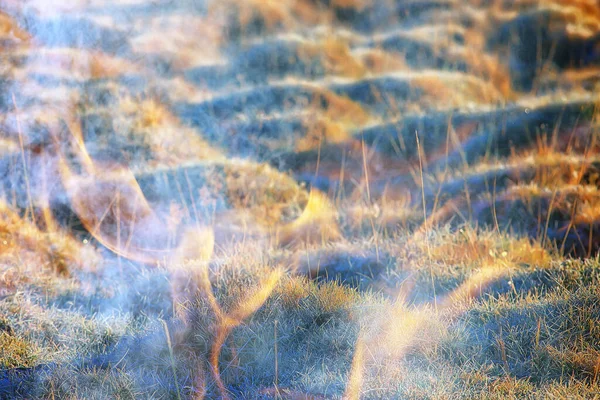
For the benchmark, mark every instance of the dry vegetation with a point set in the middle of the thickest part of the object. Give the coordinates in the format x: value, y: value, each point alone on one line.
x: 299, y: 199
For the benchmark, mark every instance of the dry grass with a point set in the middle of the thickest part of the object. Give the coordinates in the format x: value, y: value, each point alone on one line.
x: 321, y: 323
x: 430, y: 230
x: 16, y: 353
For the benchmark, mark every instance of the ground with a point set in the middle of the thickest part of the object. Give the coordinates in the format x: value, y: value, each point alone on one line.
x: 300, y: 199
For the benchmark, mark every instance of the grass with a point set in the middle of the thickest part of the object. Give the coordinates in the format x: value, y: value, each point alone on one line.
x: 16, y: 352
x: 530, y: 330
x: 325, y: 199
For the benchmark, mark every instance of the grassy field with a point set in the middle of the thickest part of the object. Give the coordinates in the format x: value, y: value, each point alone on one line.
x: 300, y: 199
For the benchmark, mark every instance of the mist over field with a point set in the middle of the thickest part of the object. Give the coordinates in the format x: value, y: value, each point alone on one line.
x: 299, y: 199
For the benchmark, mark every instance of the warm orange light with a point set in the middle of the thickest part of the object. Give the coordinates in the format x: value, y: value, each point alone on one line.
x: 316, y: 224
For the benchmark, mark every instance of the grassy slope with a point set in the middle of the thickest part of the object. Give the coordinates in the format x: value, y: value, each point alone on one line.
x: 509, y: 320
x: 284, y: 291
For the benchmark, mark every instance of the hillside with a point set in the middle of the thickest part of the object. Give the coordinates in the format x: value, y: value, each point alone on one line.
x: 299, y: 199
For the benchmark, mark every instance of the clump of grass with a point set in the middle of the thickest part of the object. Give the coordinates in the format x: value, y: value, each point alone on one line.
x: 469, y: 246
x: 147, y: 123
x: 456, y: 89
x: 23, y: 244
x: 271, y: 197
x: 16, y: 352
x: 338, y: 58
x: 10, y: 29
